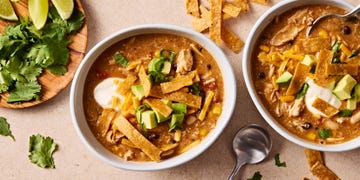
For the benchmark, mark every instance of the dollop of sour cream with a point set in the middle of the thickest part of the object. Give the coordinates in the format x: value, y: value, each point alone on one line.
x: 315, y: 91
x: 105, y: 90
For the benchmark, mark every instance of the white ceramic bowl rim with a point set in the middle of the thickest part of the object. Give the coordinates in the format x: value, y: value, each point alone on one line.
x: 76, y: 106
x: 260, y: 25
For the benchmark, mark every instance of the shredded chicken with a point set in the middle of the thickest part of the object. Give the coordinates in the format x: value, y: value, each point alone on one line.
x: 297, y: 107
x: 271, y: 70
x: 184, y: 61
x: 286, y: 34
x: 129, y: 155
x: 355, y: 118
x: 114, y: 136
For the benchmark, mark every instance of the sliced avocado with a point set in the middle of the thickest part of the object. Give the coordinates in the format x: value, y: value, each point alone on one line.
x: 160, y: 118
x: 148, y: 118
x: 357, y: 92
x: 138, y: 91
x: 166, y: 68
x: 331, y: 85
x: 309, y: 60
x: 343, y: 88
x: 139, y: 110
x: 156, y: 64
x: 284, y: 78
x: 179, y: 108
x: 351, y: 103
x: 176, y: 121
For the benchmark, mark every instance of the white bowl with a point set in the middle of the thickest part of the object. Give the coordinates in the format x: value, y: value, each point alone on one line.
x: 250, y: 44
x: 76, y: 97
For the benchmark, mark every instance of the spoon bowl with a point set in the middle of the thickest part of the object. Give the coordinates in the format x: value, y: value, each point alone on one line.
x: 355, y: 12
x: 251, y: 145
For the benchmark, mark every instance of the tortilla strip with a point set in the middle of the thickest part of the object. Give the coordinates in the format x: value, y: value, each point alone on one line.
x: 159, y: 106
x: 207, y: 103
x: 137, y: 138
x: 264, y: 2
x: 342, y: 69
x: 216, y: 18
x: 104, y: 121
x: 324, y: 107
x: 298, y: 79
x: 243, y: 4
x: 322, y: 172
x: 124, y: 86
x: 178, y: 82
x: 182, y: 97
x: 231, y: 10
x: 200, y: 24
x: 192, y: 7
x: 231, y: 39
x: 313, y: 45
x: 324, y: 58
x: 313, y: 156
x: 145, y: 81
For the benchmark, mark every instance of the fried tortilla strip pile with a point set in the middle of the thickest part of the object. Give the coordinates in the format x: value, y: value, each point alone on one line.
x: 137, y: 138
x: 192, y: 7
x: 317, y: 166
x: 212, y: 19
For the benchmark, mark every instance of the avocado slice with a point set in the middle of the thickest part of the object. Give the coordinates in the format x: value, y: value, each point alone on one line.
x: 357, y: 92
x: 156, y: 64
x: 138, y: 91
x: 166, y: 68
x: 160, y: 118
x: 343, y: 88
x: 148, y: 119
x: 351, y: 103
x: 176, y: 121
x: 179, y: 108
x: 284, y: 78
x: 309, y: 60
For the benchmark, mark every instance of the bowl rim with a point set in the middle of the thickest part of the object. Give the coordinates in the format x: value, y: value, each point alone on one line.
x: 105, y: 155
x: 259, y: 26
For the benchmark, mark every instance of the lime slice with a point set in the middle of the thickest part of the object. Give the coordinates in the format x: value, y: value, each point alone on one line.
x: 64, y: 7
x: 38, y: 10
x: 7, y: 11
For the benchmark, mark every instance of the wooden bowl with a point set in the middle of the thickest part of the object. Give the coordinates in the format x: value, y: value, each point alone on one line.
x: 51, y: 85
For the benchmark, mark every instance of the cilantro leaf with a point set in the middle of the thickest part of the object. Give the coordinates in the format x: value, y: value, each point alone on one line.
x: 57, y: 69
x: 345, y: 113
x: 24, y: 92
x: 5, y: 128
x: 277, y: 161
x: 324, y: 133
x: 5, y: 81
x: 256, y: 176
x: 156, y: 77
x: 41, y: 150
x: 195, y: 88
x: 121, y: 59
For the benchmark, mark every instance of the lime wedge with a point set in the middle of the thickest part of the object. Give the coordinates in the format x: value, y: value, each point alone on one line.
x: 38, y: 10
x: 64, y: 7
x: 7, y: 11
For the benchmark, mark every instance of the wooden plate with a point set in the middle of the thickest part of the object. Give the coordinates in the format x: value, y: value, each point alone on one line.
x: 51, y: 85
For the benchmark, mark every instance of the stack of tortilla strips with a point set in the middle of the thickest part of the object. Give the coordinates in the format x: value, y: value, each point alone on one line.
x: 211, y: 20
x: 317, y: 165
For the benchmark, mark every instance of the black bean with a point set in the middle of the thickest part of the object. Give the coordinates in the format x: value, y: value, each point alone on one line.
x: 345, y: 30
x: 306, y: 125
x: 261, y: 75
x: 174, y: 66
x: 208, y: 66
x: 152, y: 137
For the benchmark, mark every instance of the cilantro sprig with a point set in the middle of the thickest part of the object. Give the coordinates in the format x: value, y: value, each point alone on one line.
x: 278, y: 163
x: 41, y: 150
x: 5, y: 128
x: 26, y: 51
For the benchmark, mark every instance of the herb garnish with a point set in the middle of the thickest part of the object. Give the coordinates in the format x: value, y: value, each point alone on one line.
x: 5, y: 128
x: 277, y: 161
x: 25, y: 51
x: 324, y: 133
x: 256, y: 176
x: 41, y: 150
x: 345, y: 113
x: 302, y: 91
x: 121, y: 59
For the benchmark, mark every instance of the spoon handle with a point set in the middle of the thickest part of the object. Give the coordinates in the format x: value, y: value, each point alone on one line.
x: 239, y: 164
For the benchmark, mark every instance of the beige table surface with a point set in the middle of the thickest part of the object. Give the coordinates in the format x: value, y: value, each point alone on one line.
x: 74, y: 161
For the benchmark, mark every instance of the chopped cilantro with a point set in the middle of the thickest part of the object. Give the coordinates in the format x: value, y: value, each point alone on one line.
x: 277, y: 161
x: 195, y: 88
x: 354, y: 53
x: 256, y: 176
x: 345, y: 113
x: 302, y: 91
x: 324, y: 133
x: 168, y: 54
x: 5, y: 128
x: 41, y: 150
x: 121, y: 59
x: 157, y: 77
x: 25, y: 51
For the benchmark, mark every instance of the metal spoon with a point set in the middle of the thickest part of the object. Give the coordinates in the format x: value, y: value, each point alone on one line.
x: 251, y: 145
x: 355, y: 12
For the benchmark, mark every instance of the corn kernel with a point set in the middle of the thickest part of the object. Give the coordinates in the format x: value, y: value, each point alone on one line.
x: 177, y: 135
x: 157, y: 53
x: 216, y: 110
x: 203, y: 132
x: 264, y: 48
x: 311, y: 136
x: 323, y: 34
x: 345, y: 50
x: 287, y: 98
